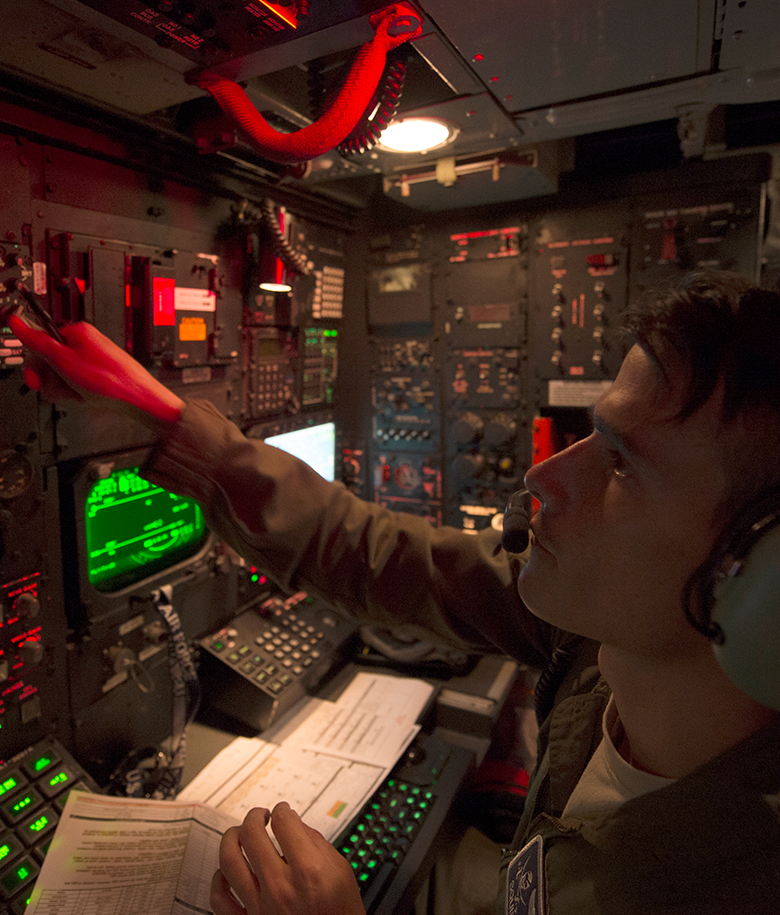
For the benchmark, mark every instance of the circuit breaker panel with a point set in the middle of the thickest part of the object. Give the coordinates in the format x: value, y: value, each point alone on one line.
x: 494, y: 335
x: 95, y: 562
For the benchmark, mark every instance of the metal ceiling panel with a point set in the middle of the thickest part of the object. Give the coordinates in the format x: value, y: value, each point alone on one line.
x: 65, y: 44
x: 532, y: 53
x: 751, y: 35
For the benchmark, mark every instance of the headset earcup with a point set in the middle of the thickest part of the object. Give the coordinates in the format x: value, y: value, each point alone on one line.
x: 747, y: 608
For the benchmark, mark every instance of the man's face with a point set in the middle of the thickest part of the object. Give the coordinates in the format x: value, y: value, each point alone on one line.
x: 626, y: 516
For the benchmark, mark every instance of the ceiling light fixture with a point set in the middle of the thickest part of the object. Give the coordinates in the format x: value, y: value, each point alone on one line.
x: 407, y: 135
x: 276, y: 287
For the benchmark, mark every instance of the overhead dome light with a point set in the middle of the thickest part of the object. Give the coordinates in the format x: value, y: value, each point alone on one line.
x: 416, y: 135
x: 276, y: 287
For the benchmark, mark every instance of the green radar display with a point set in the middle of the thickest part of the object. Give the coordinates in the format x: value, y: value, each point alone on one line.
x: 135, y: 529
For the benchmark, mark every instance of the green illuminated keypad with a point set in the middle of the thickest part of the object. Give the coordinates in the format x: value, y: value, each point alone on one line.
x: 34, y: 786
x: 386, y: 829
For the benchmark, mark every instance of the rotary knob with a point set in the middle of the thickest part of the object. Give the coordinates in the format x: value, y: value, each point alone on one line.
x: 31, y: 652
x: 500, y: 430
x: 27, y: 605
x: 467, y: 428
x: 467, y: 467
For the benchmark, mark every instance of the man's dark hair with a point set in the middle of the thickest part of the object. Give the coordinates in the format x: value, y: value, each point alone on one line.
x: 721, y: 326
x: 718, y: 325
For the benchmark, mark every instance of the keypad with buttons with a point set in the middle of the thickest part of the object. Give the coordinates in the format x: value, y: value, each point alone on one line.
x: 280, y: 649
x: 388, y: 842
x: 34, y: 786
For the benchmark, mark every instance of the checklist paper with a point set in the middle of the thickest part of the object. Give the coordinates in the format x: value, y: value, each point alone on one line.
x: 132, y: 856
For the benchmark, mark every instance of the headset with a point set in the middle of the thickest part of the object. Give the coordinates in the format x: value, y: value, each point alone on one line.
x: 737, y: 593
x: 733, y: 599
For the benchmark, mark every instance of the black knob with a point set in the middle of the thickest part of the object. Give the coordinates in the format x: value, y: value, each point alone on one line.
x: 467, y: 428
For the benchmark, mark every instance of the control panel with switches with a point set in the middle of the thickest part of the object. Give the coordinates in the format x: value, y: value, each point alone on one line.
x: 268, y: 657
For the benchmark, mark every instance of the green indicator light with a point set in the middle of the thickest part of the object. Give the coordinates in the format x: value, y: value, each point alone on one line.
x: 8, y: 785
x: 39, y: 824
x: 59, y: 779
x: 363, y: 878
x: 41, y: 763
x: 22, y: 872
x: 5, y: 850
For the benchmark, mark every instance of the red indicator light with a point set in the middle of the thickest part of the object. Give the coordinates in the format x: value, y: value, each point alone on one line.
x: 601, y: 260
x: 163, y: 309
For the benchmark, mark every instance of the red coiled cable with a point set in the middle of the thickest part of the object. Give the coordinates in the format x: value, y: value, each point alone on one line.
x: 394, y: 25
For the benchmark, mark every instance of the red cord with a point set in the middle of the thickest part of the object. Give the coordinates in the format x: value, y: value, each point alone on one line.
x: 369, y: 128
x: 394, y: 25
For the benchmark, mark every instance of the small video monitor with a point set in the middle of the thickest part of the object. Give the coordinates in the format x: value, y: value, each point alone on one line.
x: 315, y: 444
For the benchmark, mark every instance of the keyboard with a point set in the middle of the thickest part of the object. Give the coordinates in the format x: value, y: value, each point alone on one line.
x: 34, y: 786
x: 390, y: 844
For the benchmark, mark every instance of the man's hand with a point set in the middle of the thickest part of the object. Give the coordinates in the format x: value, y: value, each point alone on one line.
x: 309, y: 878
x: 92, y: 367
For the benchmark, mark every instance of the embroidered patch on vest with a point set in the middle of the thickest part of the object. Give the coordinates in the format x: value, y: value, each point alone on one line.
x: 525, y: 889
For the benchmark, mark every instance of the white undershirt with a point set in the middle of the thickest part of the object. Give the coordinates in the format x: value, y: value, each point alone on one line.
x: 608, y: 780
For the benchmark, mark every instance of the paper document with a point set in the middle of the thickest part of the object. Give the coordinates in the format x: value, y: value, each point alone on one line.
x: 370, y: 723
x: 129, y: 856
x: 329, y: 765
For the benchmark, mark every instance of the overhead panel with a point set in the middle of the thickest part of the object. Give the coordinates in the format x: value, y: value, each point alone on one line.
x: 66, y: 44
x: 546, y: 52
x: 750, y: 35
x: 133, y: 55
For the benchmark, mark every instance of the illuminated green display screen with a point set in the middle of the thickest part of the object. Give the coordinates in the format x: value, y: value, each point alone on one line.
x: 135, y: 529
